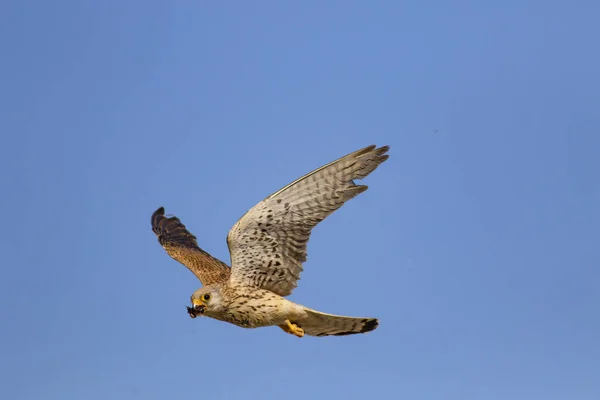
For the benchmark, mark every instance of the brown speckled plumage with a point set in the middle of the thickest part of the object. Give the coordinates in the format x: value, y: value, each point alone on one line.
x: 267, y: 247
x: 182, y: 246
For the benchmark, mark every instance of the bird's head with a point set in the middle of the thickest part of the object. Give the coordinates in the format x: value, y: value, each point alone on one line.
x: 205, y: 301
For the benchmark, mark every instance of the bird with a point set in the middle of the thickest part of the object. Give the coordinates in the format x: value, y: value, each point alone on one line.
x: 268, y: 246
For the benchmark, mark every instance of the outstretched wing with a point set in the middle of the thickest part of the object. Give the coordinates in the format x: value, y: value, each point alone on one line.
x: 182, y: 246
x: 268, y: 244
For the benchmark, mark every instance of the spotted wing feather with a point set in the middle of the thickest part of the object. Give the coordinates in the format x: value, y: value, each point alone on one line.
x: 268, y: 244
x: 182, y: 246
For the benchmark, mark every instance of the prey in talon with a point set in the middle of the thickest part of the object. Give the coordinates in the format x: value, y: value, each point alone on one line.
x: 268, y: 247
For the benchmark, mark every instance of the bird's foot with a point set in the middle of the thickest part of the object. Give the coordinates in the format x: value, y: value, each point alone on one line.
x: 292, y: 328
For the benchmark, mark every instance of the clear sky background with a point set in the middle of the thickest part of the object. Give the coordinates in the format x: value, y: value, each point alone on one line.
x: 476, y: 245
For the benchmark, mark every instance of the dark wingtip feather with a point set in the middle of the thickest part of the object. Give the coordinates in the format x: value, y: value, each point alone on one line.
x: 159, y: 212
x: 381, y: 153
x: 170, y: 230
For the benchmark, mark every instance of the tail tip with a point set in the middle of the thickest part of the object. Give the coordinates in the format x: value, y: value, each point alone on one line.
x: 369, y: 325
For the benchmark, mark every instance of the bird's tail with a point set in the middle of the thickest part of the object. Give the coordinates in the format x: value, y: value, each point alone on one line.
x: 320, y: 324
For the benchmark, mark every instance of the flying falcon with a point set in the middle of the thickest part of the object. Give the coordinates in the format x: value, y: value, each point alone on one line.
x: 267, y: 247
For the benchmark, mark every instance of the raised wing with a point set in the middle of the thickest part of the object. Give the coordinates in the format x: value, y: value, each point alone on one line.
x: 182, y: 246
x: 268, y: 244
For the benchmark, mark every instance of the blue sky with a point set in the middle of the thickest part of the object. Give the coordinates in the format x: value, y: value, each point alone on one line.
x: 476, y: 244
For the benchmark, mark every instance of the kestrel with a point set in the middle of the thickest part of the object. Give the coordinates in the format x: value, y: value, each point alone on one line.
x: 267, y: 247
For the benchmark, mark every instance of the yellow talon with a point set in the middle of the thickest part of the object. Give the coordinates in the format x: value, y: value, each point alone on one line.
x: 292, y: 328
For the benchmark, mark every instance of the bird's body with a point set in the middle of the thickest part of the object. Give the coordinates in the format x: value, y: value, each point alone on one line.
x: 268, y: 247
x: 248, y: 307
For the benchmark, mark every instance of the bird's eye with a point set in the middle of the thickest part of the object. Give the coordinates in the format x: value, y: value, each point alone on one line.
x: 207, y: 297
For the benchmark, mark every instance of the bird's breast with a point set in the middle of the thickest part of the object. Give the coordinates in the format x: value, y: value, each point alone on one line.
x: 256, y: 308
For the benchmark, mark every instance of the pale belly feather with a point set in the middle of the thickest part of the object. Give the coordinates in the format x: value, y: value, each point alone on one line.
x: 258, y: 308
